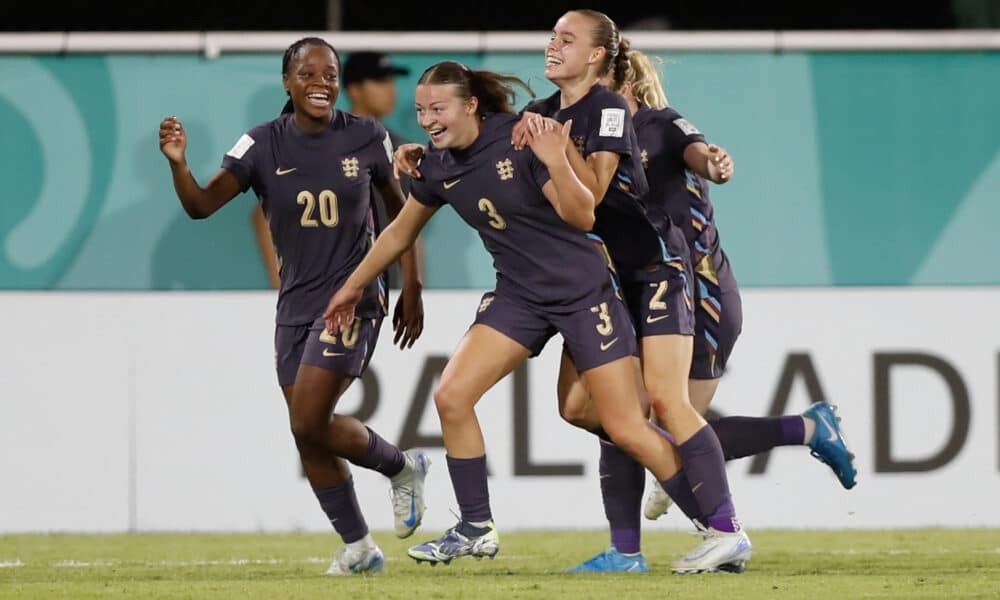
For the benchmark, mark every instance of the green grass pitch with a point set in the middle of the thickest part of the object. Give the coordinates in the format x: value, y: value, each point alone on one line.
x: 928, y: 563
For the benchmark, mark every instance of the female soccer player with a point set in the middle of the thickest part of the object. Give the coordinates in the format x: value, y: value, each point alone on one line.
x: 584, y: 48
x: 677, y: 162
x: 531, y: 211
x: 311, y: 170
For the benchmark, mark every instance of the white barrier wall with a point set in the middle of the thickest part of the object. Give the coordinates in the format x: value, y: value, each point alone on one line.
x: 160, y: 411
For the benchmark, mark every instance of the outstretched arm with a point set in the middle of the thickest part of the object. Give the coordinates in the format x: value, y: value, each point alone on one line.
x: 199, y: 202
x: 709, y: 161
x: 395, y: 240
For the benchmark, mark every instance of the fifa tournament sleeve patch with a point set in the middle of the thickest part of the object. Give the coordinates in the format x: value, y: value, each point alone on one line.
x: 387, y: 144
x: 240, y: 148
x: 686, y: 127
x: 612, y: 122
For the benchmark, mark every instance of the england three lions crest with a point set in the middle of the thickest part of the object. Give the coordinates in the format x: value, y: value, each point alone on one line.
x: 350, y: 166
x: 505, y: 169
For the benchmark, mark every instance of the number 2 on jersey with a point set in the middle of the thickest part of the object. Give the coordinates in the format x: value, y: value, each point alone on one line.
x: 328, y: 213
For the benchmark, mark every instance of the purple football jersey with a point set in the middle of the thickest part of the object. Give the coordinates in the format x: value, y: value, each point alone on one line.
x: 602, y: 122
x: 497, y: 190
x: 679, y: 193
x: 315, y: 189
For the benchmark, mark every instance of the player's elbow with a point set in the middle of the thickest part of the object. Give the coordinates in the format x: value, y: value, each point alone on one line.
x: 194, y: 210
x: 196, y: 214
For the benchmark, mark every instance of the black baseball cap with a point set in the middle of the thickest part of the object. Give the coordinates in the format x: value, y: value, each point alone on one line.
x: 369, y: 65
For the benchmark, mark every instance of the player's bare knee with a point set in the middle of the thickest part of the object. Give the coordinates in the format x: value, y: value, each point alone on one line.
x: 574, y: 413
x: 307, y: 431
x: 452, y: 404
x: 670, y: 397
x: 629, y: 442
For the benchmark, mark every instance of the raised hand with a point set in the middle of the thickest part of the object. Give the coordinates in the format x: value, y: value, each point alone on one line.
x: 406, y: 158
x: 548, y: 138
x: 519, y: 137
x: 173, y: 140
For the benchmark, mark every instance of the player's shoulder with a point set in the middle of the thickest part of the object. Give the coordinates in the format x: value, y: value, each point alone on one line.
x: 361, y: 127
x: 269, y: 129
x: 432, y: 166
x: 255, y: 138
x: 670, y: 115
x: 497, y: 125
x: 647, y: 117
x: 543, y: 106
x: 659, y: 115
x: 602, y: 97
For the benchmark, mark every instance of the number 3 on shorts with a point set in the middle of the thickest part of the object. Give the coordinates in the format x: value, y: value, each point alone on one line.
x: 605, y: 327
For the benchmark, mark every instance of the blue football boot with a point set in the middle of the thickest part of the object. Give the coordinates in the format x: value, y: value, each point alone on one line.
x: 828, y: 443
x: 612, y: 561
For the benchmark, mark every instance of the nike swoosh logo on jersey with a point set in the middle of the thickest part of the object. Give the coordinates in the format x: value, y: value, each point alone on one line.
x: 328, y: 353
x: 279, y: 171
x: 450, y: 185
x: 606, y: 345
x: 652, y: 319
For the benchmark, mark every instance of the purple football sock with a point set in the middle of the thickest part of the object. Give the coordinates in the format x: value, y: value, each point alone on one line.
x: 746, y: 436
x: 468, y: 477
x: 705, y: 467
x: 382, y: 456
x: 340, y: 504
x: 679, y: 489
x: 622, y: 482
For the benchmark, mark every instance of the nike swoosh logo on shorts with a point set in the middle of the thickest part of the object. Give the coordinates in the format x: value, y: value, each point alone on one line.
x: 606, y: 345
x: 652, y: 319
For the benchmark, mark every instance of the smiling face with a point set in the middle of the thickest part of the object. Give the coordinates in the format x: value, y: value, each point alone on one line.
x: 571, y: 53
x: 313, y: 82
x: 449, y: 119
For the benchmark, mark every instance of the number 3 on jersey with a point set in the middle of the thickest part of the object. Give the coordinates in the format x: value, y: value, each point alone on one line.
x: 328, y: 213
x: 496, y: 221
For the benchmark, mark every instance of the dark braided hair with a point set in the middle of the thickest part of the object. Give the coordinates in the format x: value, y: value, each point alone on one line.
x: 621, y: 67
x: 290, y: 54
x: 495, y: 92
x: 605, y: 35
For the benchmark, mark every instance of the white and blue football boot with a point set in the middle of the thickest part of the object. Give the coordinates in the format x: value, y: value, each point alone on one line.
x: 461, y: 540
x: 408, y: 493
x: 718, y: 551
x: 357, y: 562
